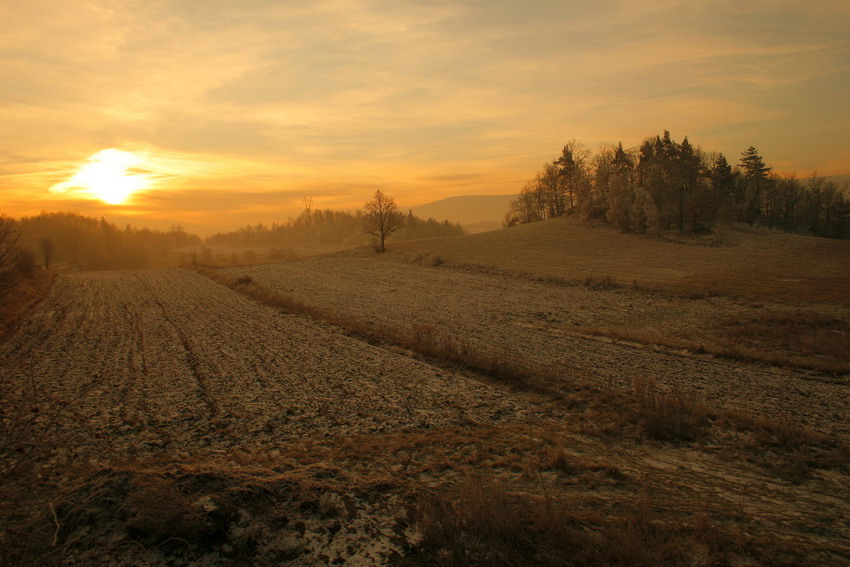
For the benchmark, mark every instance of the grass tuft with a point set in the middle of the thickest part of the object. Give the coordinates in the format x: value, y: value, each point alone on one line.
x: 481, y: 523
x: 669, y: 416
x: 785, y: 447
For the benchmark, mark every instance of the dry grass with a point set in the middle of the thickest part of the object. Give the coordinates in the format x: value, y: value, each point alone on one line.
x: 753, y: 339
x: 784, y: 447
x: 669, y: 416
x: 813, y: 340
x: 18, y: 302
x: 476, y: 495
x: 482, y: 523
x: 767, y: 267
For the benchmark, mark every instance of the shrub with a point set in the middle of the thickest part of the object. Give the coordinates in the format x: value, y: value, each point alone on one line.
x: 668, y: 416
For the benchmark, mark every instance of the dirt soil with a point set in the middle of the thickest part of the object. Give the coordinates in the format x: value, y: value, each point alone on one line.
x: 554, y: 325
x: 190, y: 425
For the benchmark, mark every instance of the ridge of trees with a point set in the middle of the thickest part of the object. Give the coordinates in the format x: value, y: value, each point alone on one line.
x: 60, y: 237
x: 663, y: 184
x: 325, y: 226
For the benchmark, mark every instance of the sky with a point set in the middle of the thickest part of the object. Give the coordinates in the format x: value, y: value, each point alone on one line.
x: 219, y: 113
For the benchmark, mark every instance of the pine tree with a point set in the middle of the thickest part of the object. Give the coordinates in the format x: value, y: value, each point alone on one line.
x: 755, y: 180
x: 687, y: 174
x: 723, y: 195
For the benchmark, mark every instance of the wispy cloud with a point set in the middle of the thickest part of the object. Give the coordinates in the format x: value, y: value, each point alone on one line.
x: 267, y: 96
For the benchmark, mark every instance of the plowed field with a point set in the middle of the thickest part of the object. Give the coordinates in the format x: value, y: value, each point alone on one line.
x: 181, y: 363
x: 546, y: 324
x: 186, y: 424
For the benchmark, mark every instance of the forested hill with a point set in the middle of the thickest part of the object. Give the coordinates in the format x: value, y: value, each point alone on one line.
x: 663, y: 184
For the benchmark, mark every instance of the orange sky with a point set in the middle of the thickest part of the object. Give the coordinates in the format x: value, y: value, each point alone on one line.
x: 238, y: 110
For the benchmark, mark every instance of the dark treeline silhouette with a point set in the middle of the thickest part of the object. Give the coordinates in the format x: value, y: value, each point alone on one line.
x: 326, y: 226
x: 663, y: 184
x: 15, y: 262
x: 58, y: 238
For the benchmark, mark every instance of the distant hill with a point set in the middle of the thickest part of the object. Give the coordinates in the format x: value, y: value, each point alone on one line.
x: 840, y: 179
x: 477, y: 213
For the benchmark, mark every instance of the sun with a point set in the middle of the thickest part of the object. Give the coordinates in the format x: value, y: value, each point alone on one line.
x: 110, y: 175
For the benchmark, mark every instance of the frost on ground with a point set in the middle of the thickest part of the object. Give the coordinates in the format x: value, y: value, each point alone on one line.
x: 178, y: 365
x: 189, y: 425
x: 544, y: 323
x: 183, y: 363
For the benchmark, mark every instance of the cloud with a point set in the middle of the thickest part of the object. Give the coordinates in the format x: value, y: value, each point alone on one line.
x: 264, y: 95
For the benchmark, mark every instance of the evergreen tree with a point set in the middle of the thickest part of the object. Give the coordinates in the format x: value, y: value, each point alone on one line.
x: 687, y: 175
x: 571, y: 170
x: 755, y: 182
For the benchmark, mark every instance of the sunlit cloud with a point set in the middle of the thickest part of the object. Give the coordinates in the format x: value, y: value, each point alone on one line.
x: 333, y: 98
x: 110, y: 175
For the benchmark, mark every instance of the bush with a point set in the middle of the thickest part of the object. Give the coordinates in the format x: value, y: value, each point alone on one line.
x: 669, y: 416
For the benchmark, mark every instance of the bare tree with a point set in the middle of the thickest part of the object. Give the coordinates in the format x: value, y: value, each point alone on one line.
x: 382, y: 217
x: 10, y: 276
x: 46, y: 245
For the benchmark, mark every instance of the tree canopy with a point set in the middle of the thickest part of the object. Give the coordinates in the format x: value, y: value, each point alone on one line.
x: 663, y: 184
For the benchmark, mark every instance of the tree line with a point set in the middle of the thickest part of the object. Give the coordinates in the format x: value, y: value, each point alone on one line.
x: 90, y: 243
x: 663, y: 184
x: 328, y: 226
x: 63, y: 238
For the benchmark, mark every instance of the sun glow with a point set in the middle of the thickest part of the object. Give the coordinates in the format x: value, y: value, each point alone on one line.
x: 110, y: 175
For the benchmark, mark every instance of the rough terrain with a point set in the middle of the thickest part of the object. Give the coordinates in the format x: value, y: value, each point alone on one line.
x: 189, y: 425
x: 548, y: 323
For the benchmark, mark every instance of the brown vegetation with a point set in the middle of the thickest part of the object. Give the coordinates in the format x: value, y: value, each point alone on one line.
x: 770, y: 267
x: 394, y: 409
x: 17, y: 302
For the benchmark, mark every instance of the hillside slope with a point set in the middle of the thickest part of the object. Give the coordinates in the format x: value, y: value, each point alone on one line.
x: 763, y: 266
x: 475, y: 212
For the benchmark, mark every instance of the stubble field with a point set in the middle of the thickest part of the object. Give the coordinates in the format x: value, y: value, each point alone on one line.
x: 158, y: 417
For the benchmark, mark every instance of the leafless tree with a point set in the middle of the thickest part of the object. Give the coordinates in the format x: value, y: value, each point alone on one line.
x: 382, y: 217
x: 9, y: 236
x: 46, y: 245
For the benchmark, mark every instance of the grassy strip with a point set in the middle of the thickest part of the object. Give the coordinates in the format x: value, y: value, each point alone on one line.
x: 833, y: 365
x: 501, y: 364
x: 481, y: 523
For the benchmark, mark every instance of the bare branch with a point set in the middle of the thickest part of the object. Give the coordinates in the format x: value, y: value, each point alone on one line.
x: 382, y: 217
